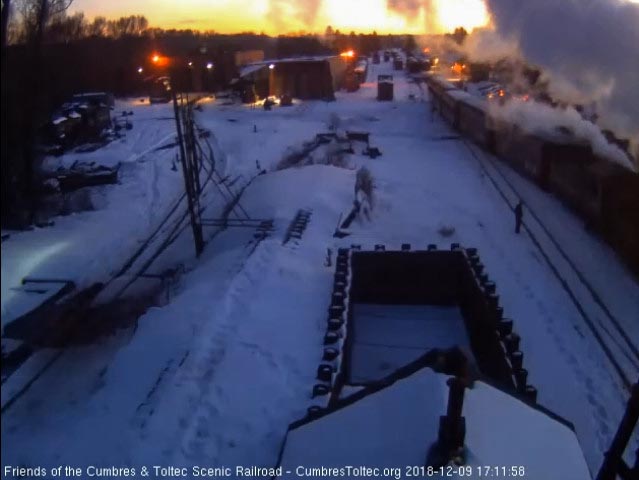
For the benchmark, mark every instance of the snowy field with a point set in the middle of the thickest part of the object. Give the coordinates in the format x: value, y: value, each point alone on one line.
x: 86, y: 247
x: 215, y: 377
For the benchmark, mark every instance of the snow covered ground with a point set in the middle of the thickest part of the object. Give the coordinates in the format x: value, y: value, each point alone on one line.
x: 215, y: 377
x: 86, y: 247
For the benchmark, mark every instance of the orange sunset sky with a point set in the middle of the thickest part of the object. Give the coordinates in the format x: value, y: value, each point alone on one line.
x: 227, y: 16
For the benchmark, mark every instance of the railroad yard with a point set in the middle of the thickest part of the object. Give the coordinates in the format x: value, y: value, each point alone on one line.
x: 225, y: 353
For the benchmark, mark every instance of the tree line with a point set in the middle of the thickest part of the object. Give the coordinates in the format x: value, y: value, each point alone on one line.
x: 62, y: 27
x: 48, y: 54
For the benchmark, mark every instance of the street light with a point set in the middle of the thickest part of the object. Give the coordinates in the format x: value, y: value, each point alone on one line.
x: 209, y: 66
x: 271, y: 66
x: 140, y: 69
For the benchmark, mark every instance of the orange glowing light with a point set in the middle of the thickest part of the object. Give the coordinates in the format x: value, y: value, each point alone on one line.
x: 502, y: 93
x: 458, y: 68
x: 348, y: 54
x: 159, y: 60
x: 427, y: 50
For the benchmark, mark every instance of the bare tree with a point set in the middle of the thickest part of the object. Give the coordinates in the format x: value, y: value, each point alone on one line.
x: 98, y: 28
x: 133, y: 25
x: 66, y: 28
x: 6, y: 10
x: 35, y: 16
x: 6, y: 170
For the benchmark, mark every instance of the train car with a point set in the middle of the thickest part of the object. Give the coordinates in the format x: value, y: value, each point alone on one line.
x: 473, y: 119
x: 572, y: 180
x: 442, y: 101
x: 603, y: 193
x: 522, y: 150
x: 449, y: 107
x: 618, y: 190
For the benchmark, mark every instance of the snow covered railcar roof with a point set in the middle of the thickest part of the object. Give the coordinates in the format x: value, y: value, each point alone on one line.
x: 442, y: 82
x: 468, y: 99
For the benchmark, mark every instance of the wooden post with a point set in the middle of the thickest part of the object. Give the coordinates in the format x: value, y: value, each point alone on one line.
x: 452, y: 428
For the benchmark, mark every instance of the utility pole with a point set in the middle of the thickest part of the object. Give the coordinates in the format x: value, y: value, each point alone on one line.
x: 192, y: 193
x: 613, y: 464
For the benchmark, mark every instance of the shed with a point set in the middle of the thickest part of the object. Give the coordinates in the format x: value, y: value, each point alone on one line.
x: 385, y: 88
x: 307, y: 78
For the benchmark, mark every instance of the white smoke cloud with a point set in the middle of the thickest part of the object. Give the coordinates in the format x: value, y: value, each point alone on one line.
x: 486, y: 45
x: 587, y: 50
x: 411, y: 9
x: 543, y: 119
x: 281, y: 12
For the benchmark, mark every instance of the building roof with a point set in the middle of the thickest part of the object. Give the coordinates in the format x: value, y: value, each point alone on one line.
x: 305, y: 59
x: 396, y: 426
x: 252, y: 68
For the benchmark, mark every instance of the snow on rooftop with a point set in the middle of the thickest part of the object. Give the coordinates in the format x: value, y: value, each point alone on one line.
x: 89, y: 94
x: 443, y: 82
x: 397, y: 425
x: 469, y: 99
x: 26, y: 298
x: 305, y: 58
x: 248, y: 69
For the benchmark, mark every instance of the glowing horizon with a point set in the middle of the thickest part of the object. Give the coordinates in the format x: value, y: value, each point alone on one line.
x: 234, y: 16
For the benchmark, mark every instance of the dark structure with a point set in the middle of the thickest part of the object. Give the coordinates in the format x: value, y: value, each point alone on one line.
x: 83, y: 118
x: 385, y: 88
x: 479, y: 72
x: 159, y: 90
x: 417, y: 64
x: 614, y: 465
x: 254, y: 80
x: 307, y: 78
x: 444, y: 278
x: 519, y: 216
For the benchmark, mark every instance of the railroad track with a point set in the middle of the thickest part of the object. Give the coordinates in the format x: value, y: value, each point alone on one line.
x: 606, y: 329
x: 173, y: 224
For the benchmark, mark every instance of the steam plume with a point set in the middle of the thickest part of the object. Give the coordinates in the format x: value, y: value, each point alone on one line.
x: 587, y: 50
x: 279, y: 11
